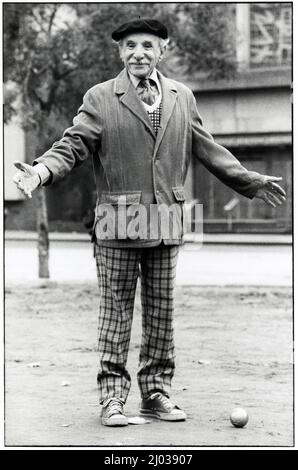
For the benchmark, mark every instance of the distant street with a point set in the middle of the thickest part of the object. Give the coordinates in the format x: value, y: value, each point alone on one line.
x: 212, y: 264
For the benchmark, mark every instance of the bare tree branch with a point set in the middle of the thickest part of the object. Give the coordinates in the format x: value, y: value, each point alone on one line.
x: 39, y: 22
x: 26, y: 82
x: 37, y: 97
x: 52, y: 17
x: 42, y: 70
x: 66, y: 73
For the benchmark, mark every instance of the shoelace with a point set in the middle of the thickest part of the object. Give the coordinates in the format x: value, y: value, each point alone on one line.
x: 114, y: 407
x: 164, y: 400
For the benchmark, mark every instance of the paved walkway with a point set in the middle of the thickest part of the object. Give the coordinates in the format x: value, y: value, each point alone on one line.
x: 209, y: 238
x: 213, y: 263
x: 234, y: 347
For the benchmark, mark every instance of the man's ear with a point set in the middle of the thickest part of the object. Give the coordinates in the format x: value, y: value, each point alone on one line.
x: 162, y: 52
x: 120, y: 51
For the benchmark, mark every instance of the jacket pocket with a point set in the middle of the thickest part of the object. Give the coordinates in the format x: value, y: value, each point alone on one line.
x: 115, y: 213
x: 121, y: 198
x: 179, y: 193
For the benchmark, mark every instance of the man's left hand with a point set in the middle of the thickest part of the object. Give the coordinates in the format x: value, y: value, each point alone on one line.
x: 271, y: 192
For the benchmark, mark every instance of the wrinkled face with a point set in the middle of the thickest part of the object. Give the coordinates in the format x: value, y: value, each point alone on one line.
x: 140, y: 52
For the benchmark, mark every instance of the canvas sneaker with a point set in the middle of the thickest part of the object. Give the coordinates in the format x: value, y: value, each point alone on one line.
x: 159, y: 406
x: 112, y: 413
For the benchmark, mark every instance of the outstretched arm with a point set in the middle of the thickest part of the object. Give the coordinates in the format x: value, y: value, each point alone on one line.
x: 78, y: 142
x: 226, y: 167
x: 271, y: 192
x: 26, y: 178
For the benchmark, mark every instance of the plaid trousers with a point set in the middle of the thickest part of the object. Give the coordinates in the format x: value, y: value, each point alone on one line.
x: 118, y: 270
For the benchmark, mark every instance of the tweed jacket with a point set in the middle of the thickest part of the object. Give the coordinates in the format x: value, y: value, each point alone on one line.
x: 133, y: 165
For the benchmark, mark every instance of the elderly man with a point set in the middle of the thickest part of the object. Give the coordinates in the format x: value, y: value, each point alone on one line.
x: 141, y: 129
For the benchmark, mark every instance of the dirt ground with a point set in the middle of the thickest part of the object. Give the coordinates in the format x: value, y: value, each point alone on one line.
x: 233, y: 346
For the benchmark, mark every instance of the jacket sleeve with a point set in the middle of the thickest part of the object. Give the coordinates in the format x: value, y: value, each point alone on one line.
x: 78, y: 142
x: 219, y: 161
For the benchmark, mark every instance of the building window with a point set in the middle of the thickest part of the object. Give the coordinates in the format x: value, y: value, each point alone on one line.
x: 270, y: 34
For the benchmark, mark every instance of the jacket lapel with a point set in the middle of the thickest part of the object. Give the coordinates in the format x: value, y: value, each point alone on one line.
x: 128, y: 96
x: 169, y: 96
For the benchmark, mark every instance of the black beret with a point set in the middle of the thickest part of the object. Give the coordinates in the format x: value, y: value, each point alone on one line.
x: 145, y: 25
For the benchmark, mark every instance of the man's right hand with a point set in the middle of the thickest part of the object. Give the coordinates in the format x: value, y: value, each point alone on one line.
x: 26, y: 178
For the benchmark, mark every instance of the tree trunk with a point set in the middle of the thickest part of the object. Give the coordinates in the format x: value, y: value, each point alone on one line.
x: 43, y: 235
x: 37, y: 147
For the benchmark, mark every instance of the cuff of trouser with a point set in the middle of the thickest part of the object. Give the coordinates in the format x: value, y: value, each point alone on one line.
x: 148, y: 395
x: 106, y: 400
x: 43, y: 172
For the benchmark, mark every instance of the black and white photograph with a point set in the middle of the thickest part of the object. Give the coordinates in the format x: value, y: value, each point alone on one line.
x: 147, y: 228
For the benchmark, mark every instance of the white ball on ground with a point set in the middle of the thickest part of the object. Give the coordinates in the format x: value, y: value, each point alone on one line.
x: 239, y: 417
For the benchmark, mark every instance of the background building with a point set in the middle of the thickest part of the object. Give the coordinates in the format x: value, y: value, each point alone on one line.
x: 249, y: 114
